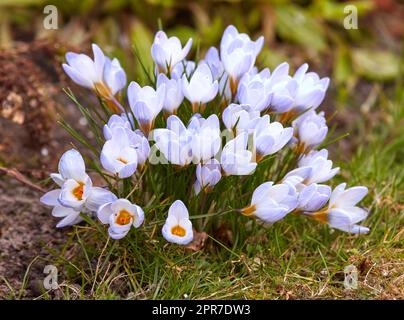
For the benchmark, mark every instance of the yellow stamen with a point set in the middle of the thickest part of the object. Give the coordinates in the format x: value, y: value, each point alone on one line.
x: 122, y: 160
x: 123, y: 217
x: 178, y: 231
x: 78, y: 191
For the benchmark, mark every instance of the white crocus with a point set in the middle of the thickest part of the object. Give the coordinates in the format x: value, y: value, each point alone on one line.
x: 198, y: 142
x: 207, y: 175
x: 174, y: 95
x: 313, y: 197
x: 269, y: 137
x: 167, y: 52
x: 137, y: 140
x: 238, y: 53
x: 213, y: 60
x: 68, y: 216
x: 117, y: 121
x: 342, y: 212
x: 121, y: 215
x: 271, y: 203
x: 225, y: 90
x: 118, y: 156
x: 201, y: 88
x: 278, y: 85
x: 298, y: 93
x: 310, y: 90
x: 174, y: 142
x: 141, y: 145
x: 311, y: 130
x: 106, y: 77
x: 206, y: 139
x: 240, y: 118
x: 77, y: 185
x: 322, y: 167
x: 178, y: 228
x: 146, y: 103
x: 254, y: 90
x: 235, y: 158
x: 76, y: 190
x: 185, y: 67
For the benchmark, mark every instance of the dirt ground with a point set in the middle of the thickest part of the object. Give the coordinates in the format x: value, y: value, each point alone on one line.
x: 26, y: 231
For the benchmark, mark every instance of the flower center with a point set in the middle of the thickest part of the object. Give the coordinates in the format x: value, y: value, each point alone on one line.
x: 123, y: 217
x: 78, y: 191
x: 122, y: 160
x: 178, y: 231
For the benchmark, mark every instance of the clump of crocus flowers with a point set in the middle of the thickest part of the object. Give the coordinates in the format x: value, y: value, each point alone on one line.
x: 220, y: 116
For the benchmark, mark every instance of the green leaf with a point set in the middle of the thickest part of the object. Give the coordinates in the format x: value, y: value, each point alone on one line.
x: 142, y: 41
x: 296, y: 25
x: 376, y: 64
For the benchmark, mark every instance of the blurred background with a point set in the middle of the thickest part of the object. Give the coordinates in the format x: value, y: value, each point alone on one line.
x: 365, y: 64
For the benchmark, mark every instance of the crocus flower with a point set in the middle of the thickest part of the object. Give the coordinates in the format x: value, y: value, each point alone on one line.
x: 102, y: 75
x: 342, y: 212
x: 137, y: 140
x: 322, y: 167
x: 178, y: 228
x: 68, y: 216
x: 238, y: 54
x: 235, y: 158
x: 174, y: 142
x: 185, y: 67
x: 117, y: 121
x: 167, y: 52
x: 313, y: 197
x: 206, y: 139
x: 269, y: 138
x: 198, y: 142
x: 271, y: 203
x: 225, y: 90
x: 174, y: 95
x: 121, y: 215
x: 118, y: 156
x: 77, y: 191
x: 207, y: 175
x: 311, y: 129
x: 146, y: 103
x: 213, y: 61
x: 201, y: 88
x: 310, y: 89
x: 298, y: 93
x: 240, y: 117
x: 254, y: 90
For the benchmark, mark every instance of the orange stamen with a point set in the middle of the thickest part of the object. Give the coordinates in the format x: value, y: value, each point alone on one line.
x: 178, y: 231
x: 78, y: 191
x: 123, y: 218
